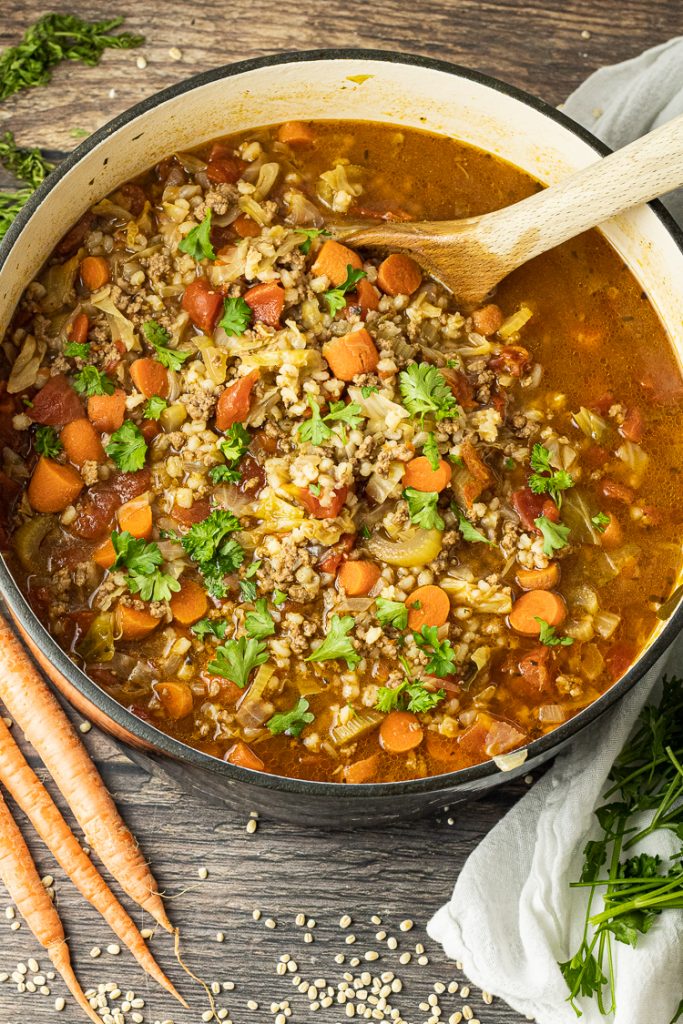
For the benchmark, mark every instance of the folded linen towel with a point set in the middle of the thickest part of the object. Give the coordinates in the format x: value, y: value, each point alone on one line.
x: 512, y: 914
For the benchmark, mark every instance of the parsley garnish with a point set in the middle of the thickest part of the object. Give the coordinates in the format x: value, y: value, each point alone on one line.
x: 554, y: 534
x: 600, y: 521
x: 235, y: 442
x: 210, y: 627
x: 158, y: 337
x: 425, y: 392
x: 314, y: 489
x: 549, y: 637
x: 368, y: 389
x: 197, y: 243
x: 154, y: 407
x: 337, y: 645
x: 215, y: 551
x: 224, y: 475
x: 279, y: 597
x: 310, y: 234
x: 467, y: 531
x: 365, y: 532
x: 237, y: 315
x: 236, y: 659
x: 317, y: 430
x: 248, y: 585
x: 77, y: 349
x: 546, y: 480
x: 422, y: 506
x: 47, y: 442
x: 430, y: 450
x: 391, y: 613
x: 336, y: 297
x: 509, y: 464
x: 142, y: 560
x: 442, y: 656
x: 91, y: 381
x: 127, y: 447
x: 291, y: 722
x: 410, y: 695
x: 259, y: 623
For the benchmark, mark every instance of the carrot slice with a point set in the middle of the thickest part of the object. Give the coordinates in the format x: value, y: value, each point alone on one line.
x: 82, y: 442
x: 136, y: 517
x: 176, y: 699
x: 104, y: 555
x: 362, y: 771
x: 428, y: 606
x: 399, y: 732
x: 267, y: 301
x: 245, y: 227
x: 106, y: 412
x: 53, y: 486
x: 539, y: 579
x: 78, y: 329
x: 32, y: 797
x: 420, y: 475
x: 333, y: 261
x: 295, y: 133
x: 244, y: 756
x: 190, y: 603
x: 352, y: 354
x: 31, y: 704
x: 94, y: 272
x: 134, y: 623
x: 534, y: 605
x: 149, y: 377
x: 234, y: 403
x: 358, y: 578
x: 399, y: 274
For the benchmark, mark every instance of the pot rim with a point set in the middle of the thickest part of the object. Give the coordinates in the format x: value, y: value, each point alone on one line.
x: 149, y: 734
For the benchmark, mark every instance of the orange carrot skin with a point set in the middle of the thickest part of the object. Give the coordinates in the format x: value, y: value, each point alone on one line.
x: 53, y: 486
x: 333, y: 261
x: 399, y: 732
x: 399, y: 274
x: 428, y: 606
x: 34, y: 800
x: 94, y: 272
x: 353, y: 354
x: 358, y: 578
x: 31, y: 703
x: 421, y: 477
x: 534, y: 605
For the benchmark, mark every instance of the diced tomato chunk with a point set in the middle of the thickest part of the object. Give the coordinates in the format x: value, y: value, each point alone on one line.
x: 460, y: 386
x: 203, y: 304
x: 534, y: 680
x: 337, y: 555
x: 196, y: 513
x: 96, y: 512
x: 530, y: 506
x: 621, y: 656
x: 267, y: 302
x: 234, y: 404
x: 632, y: 427
x: 503, y: 736
x: 318, y: 511
x: 56, y: 404
x: 512, y: 360
x: 131, y: 485
x: 223, y: 166
x: 615, y: 491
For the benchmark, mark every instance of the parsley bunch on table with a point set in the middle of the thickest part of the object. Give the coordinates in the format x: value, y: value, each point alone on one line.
x: 28, y: 166
x: 647, y: 779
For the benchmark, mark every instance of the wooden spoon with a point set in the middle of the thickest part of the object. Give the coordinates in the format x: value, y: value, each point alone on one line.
x: 471, y: 256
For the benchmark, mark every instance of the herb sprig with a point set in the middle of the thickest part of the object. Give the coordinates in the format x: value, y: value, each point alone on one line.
x: 426, y: 393
x: 545, y: 479
x: 317, y: 430
x: 336, y: 297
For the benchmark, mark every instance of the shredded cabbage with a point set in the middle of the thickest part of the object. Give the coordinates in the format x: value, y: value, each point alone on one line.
x: 514, y: 323
x: 26, y: 365
x: 120, y: 326
x: 495, y: 601
x: 591, y: 424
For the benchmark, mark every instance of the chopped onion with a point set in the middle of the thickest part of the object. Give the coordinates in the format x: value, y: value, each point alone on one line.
x: 591, y: 424
x: 605, y: 623
x: 635, y: 459
x: 514, y: 323
x: 302, y: 210
x: 551, y: 714
x: 267, y: 176
x: 380, y: 488
x: 508, y: 762
x: 354, y: 604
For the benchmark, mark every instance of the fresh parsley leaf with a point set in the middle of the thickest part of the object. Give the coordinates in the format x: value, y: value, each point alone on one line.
x: 158, y: 586
x: 224, y: 475
x: 410, y: 695
x: 234, y: 443
x: 154, y: 407
x: 442, y: 656
x: 259, y: 623
x: 236, y: 660
x: 279, y: 597
x: 317, y: 430
x: 91, y: 381
x: 47, y: 442
x: 391, y: 613
x: 430, y: 450
x: 142, y: 559
x: 247, y: 591
x: 309, y: 234
x: 127, y: 447
x: 237, y: 315
x: 549, y: 637
x: 467, y: 531
x: 546, y: 480
x: 583, y: 975
x: 457, y: 460
x: 77, y: 349
x: 554, y: 534
x: 600, y: 521
x: 210, y: 544
x: 336, y: 297
x: 314, y: 489
x: 425, y: 392
x: 197, y: 243
x: 337, y: 645
x: 509, y: 464
x: 365, y: 532
x: 368, y: 389
x: 210, y: 627
x: 291, y: 722
x: 314, y: 430
x: 159, y: 338
x: 422, y: 506
x: 229, y: 558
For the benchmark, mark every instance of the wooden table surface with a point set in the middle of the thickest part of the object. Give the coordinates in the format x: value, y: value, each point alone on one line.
x: 398, y: 872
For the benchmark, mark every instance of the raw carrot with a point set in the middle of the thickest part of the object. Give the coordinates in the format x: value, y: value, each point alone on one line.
x: 420, y: 475
x: 234, y: 403
x: 176, y: 698
x: 539, y: 579
x: 612, y: 535
x: 534, y: 605
x: 190, y: 603
x: 53, y: 486
x: 295, y: 133
x: 358, y: 578
x: 488, y: 319
x: 399, y: 732
x: 352, y: 354
x: 149, y: 377
x: 428, y: 606
x: 134, y: 623
x: 78, y: 329
x: 399, y: 274
x: 266, y: 301
x: 94, y: 272
x: 245, y: 227
x: 106, y: 412
x: 33, y: 798
x: 36, y: 711
x: 26, y: 890
x: 82, y: 442
x: 333, y: 261
x: 136, y: 517
x: 244, y: 756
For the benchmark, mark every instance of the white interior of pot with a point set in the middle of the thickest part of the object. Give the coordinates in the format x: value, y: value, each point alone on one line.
x: 391, y: 92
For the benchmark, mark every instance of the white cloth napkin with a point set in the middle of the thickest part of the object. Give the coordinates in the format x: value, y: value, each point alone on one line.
x: 512, y: 914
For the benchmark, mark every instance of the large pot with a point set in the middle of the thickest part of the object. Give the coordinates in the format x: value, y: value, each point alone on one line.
x: 368, y: 85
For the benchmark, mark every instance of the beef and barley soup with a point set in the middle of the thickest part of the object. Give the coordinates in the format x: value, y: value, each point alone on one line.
x: 292, y: 505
